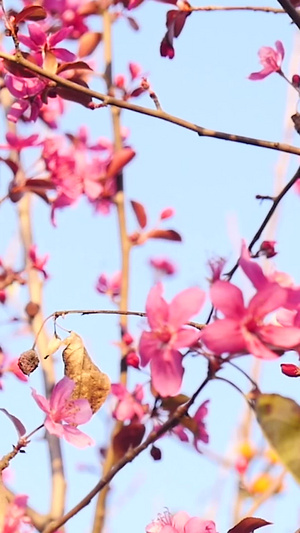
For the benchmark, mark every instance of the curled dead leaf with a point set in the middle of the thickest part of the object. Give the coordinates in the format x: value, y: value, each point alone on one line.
x: 91, y: 383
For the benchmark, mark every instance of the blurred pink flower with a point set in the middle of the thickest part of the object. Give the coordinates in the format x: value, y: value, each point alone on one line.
x: 242, y: 330
x: 160, y: 346
x: 40, y: 43
x: 109, y: 286
x: 15, y: 517
x: 130, y: 405
x: 163, y: 266
x: 201, y: 434
x: 62, y: 408
x: 16, y: 142
x: 180, y: 522
x: 38, y: 263
x: 270, y: 59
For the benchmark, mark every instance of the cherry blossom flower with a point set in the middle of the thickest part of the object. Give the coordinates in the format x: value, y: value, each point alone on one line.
x: 270, y: 59
x: 16, y: 142
x: 160, y: 346
x: 242, y: 330
x: 180, y: 522
x: 163, y: 266
x: 64, y: 414
x: 15, y: 518
x: 130, y: 405
x: 109, y: 286
x: 38, y: 263
x: 40, y: 43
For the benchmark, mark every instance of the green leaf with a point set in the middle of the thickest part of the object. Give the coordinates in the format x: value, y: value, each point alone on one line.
x: 279, y: 418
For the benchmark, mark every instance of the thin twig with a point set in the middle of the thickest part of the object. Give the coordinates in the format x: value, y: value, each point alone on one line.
x: 159, y: 114
x: 239, y: 8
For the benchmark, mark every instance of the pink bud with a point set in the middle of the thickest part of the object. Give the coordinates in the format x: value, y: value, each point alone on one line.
x: 127, y: 338
x: 267, y: 248
x: 167, y: 213
x: 135, y: 70
x: 2, y: 297
x: 290, y: 370
x: 132, y: 359
x: 241, y: 465
x: 120, y: 81
x: 296, y: 79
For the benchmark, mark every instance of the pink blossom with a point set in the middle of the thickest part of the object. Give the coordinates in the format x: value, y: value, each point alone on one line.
x: 38, y: 263
x: 62, y: 408
x: 109, y: 286
x: 16, y: 142
x: 40, y: 43
x: 160, y: 346
x: 180, y: 522
x: 15, y: 517
x: 130, y: 405
x: 271, y: 61
x: 163, y: 266
x: 243, y: 330
x: 201, y: 434
x: 216, y: 267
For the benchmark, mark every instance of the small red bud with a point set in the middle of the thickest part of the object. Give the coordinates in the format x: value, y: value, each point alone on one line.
x: 167, y: 213
x: 290, y: 370
x: 127, y: 339
x: 267, y: 248
x: 132, y: 359
x: 296, y: 79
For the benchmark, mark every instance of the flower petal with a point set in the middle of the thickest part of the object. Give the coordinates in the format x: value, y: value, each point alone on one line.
x: 76, y: 437
x: 42, y: 402
x: 224, y: 336
x: 185, y: 337
x: 228, y: 299
x: 185, y: 305
x: 157, y: 308
x: 167, y: 372
x: 283, y: 337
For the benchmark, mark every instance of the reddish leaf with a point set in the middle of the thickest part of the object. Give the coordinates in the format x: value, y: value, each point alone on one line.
x: 75, y: 65
x: 140, y: 213
x: 73, y: 95
x: 168, y: 234
x: 31, y: 13
x: 14, y: 167
x: 21, y: 430
x: 120, y: 159
x: 128, y: 437
x: 137, y: 92
x: 248, y: 525
x: 88, y: 42
x: 19, y: 70
x: 133, y: 23
x: 36, y: 183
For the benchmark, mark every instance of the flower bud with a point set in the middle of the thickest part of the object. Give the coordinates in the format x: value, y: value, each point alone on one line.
x: 290, y: 370
x: 132, y: 359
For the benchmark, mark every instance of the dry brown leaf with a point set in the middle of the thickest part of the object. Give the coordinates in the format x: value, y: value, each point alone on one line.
x: 91, y: 383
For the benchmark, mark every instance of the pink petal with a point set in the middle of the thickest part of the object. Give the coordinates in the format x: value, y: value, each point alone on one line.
x: 167, y: 372
x: 255, y: 347
x: 36, y: 34
x: 185, y: 305
x: 42, y: 402
x: 64, y: 55
x: 280, y: 49
x: 228, y: 299
x: 157, y: 308
x: 61, y: 394
x: 119, y: 390
x: 261, y: 75
x: 185, y: 337
x: 24, y: 39
x: 60, y: 36
x: 53, y: 427
x: 252, y: 270
x: 79, y: 412
x: 197, y: 525
x: 149, y: 347
x: 271, y: 297
x: 224, y: 336
x: 179, y: 520
x: 283, y: 337
x: 76, y: 437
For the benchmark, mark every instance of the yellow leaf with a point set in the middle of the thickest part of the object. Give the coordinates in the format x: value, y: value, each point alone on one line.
x: 279, y: 418
x: 91, y: 383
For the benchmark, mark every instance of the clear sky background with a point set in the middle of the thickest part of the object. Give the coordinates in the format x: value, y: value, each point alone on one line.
x: 211, y: 184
